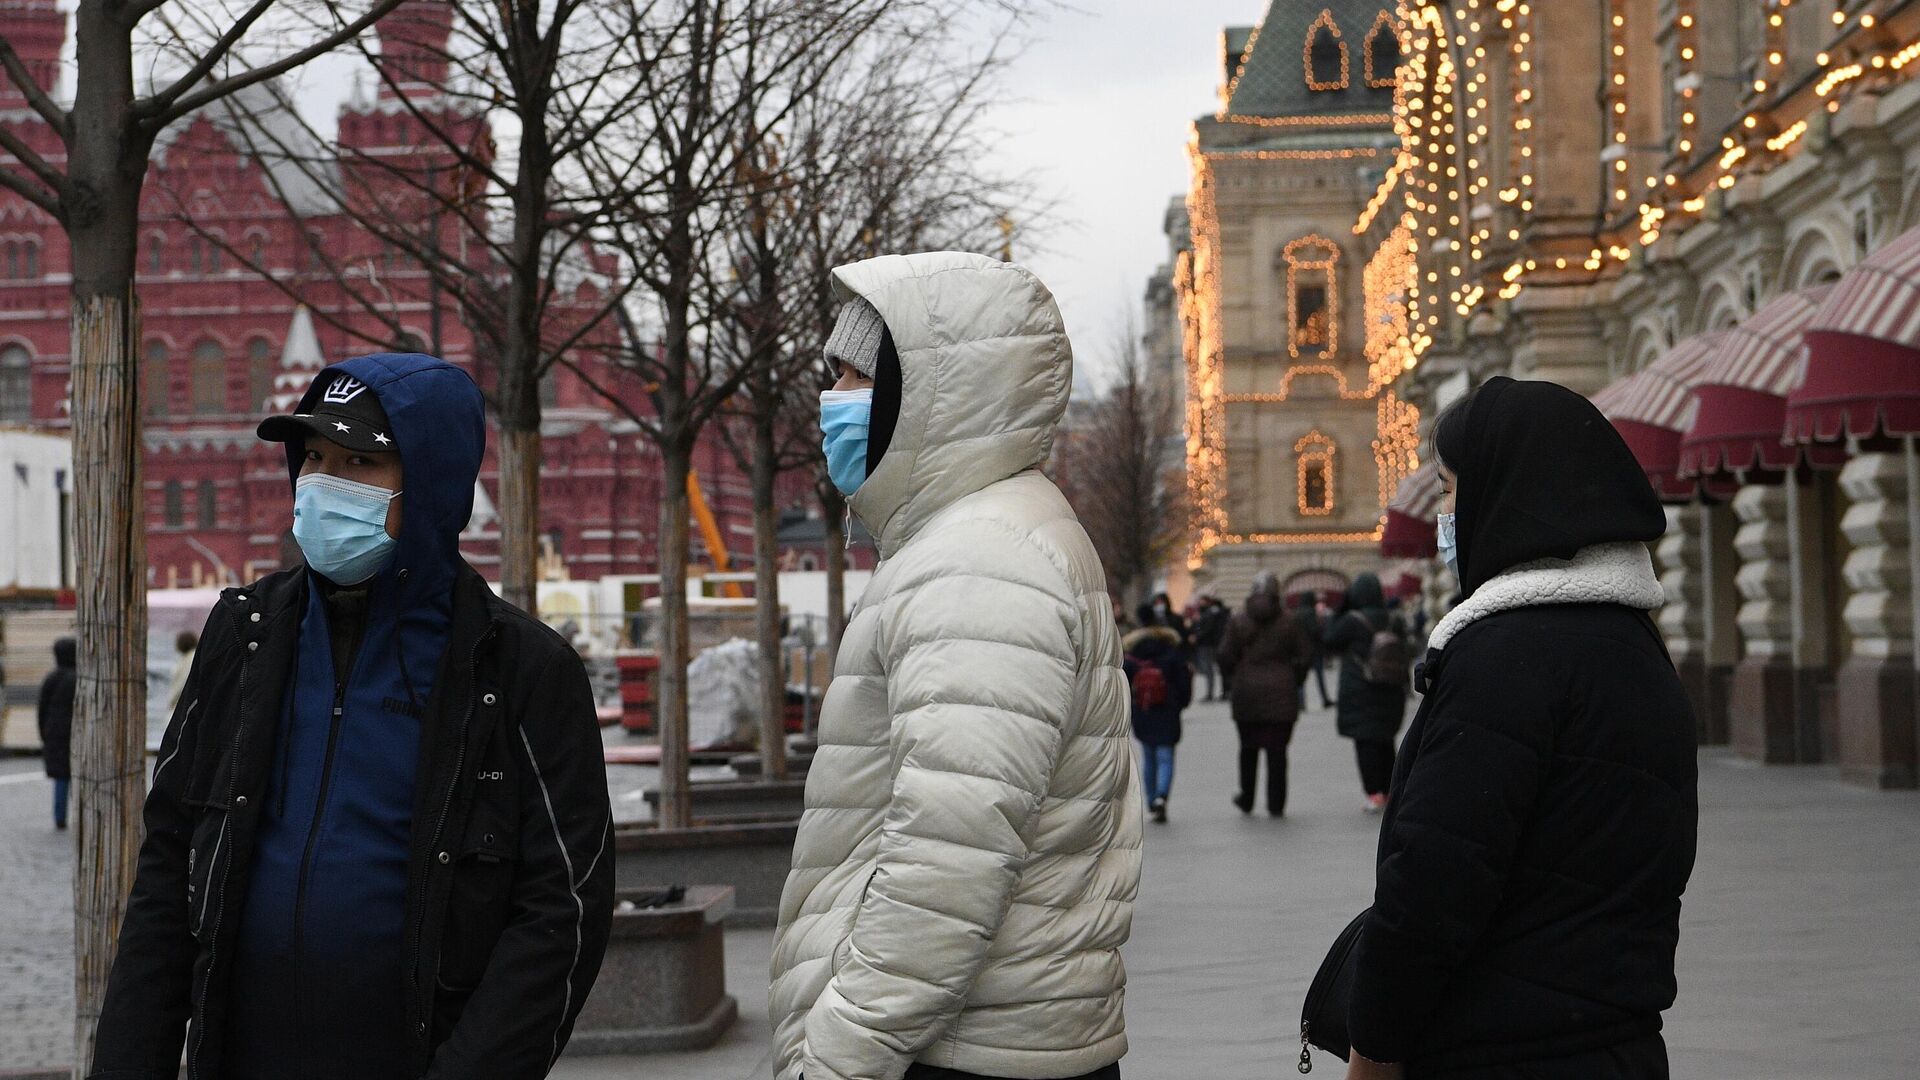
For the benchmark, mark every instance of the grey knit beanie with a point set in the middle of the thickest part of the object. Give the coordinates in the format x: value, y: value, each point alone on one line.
x: 855, y: 340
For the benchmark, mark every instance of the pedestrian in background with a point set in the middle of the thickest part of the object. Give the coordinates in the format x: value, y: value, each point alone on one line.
x: 1373, y: 689
x: 1544, y: 818
x: 1162, y: 687
x: 1264, y: 655
x: 1208, y: 629
x: 184, y: 645
x: 56, y: 724
x: 1159, y: 612
x: 1310, y: 624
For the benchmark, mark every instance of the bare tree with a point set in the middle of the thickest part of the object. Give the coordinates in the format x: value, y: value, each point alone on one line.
x: 106, y: 135
x: 1113, y: 463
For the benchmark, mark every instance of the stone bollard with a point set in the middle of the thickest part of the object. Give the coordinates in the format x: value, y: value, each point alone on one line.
x: 663, y: 985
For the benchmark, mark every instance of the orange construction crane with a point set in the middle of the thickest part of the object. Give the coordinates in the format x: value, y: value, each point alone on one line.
x: 710, y: 529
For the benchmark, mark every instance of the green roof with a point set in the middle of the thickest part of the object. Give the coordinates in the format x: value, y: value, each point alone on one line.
x: 1273, y: 82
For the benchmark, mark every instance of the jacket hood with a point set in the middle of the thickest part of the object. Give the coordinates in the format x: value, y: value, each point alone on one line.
x: 1540, y: 474
x: 1151, y: 642
x: 439, y: 428
x: 1365, y: 593
x: 1263, y: 607
x: 65, y: 653
x: 985, y: 372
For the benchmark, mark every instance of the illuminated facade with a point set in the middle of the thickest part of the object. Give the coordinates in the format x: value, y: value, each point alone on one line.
x: 1294, y: 440
x: 1741, y: 157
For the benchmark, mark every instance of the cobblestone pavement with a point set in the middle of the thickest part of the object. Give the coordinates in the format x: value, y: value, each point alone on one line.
x: 1800, y: 953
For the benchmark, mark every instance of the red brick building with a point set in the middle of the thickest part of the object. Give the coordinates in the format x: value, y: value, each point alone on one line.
x: 220, y: 342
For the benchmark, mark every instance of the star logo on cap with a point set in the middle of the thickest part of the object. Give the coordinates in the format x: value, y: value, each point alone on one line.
x: 338, y: 426
x: 381, y: 439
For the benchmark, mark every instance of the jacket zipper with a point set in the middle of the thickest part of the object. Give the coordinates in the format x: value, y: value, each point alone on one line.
x: 446, y: 806
x: 220, y: 912
x: 319, y: 813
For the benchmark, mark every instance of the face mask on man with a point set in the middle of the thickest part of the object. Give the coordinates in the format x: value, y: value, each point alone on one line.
x: 844, y: 417
x: 342, y: 527
x: 1448, y: 543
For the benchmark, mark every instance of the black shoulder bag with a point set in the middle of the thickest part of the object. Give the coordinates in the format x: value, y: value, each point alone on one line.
x: 1323, y: 1018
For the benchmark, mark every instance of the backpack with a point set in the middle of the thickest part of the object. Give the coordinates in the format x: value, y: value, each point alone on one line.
x: 1149, y: 686
x: 1387, y: 662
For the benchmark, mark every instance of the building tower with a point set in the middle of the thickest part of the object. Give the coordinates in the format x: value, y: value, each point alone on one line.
x: 1294, y: 442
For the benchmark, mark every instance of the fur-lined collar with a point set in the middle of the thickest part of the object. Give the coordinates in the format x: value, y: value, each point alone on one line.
x: 1602, y: 574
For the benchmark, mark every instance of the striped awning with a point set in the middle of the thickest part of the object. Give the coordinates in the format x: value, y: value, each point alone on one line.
x: 1652, y: 407
x: 1863, y: 351
x: 1409, y: 529
x: 1739, y: 422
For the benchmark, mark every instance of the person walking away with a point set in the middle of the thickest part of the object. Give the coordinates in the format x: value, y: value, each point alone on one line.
x: 1208, y: 628
x: 377, y: 839
x: 1162, y: 687
x: 184, y: 643
x: 965, y: 869
x: 55, y: 714
x: 1543, y: 825
x: 1263, y: 655
x: 1308, y: 623
x: 1374, y: 673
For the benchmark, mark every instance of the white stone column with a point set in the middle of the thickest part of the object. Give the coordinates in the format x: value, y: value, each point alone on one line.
x: 1760, y: 714
x: 1678, y: 557
x: 1875, y: 736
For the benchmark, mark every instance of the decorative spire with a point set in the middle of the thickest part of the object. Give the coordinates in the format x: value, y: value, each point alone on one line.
x: 300, y: 360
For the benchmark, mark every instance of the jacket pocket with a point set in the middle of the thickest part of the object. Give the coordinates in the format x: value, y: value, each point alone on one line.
x: 206, y: 858
x: 480, y: 899
x: 843, y: 951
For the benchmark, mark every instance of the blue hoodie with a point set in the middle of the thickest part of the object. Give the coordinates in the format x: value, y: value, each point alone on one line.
x: 320, y: 979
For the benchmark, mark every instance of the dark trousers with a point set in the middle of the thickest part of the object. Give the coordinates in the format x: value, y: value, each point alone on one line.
x: 917, y: 1071
x: 60, y: 803
x: 1273, y: 739
x: 1206, y: 665
x: 1376, y: 764
x: 1644, y: 1058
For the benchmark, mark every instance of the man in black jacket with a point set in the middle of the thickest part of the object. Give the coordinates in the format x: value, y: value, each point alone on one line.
x: 377, y: 838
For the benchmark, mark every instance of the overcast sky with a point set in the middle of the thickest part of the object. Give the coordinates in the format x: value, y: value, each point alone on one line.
x: 1105, y: 96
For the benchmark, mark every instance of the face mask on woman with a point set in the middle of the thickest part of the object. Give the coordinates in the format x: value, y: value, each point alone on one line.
x: 844, y: 416
x: 341, y: 526
x: 1448, y: 543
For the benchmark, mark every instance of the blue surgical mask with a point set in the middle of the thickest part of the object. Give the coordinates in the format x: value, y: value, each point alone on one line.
x: 342, y: 527
x: 1448, y: 542
x: 844, y: 416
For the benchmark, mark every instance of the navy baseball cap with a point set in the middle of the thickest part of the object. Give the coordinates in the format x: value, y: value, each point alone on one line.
x: 348, y: 413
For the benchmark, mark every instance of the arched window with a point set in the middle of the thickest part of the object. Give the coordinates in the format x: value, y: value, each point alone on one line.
x: 156, y: 253
x: 174, y: 505
x: 209, y: 377
x: 11, y: 252
x: 30, y: 259
x: 1313, y: 309
x: 257, y: 250
x: 550, y: 388
x: 209, y: 506
x: 16, y: 385
x: 159, y: 377
x: 1382, y: 53
x: 196, y: 255
x: 1325, y: 55
x: 259, y: 372
x: 1313, y: 475
x: 216, y: 250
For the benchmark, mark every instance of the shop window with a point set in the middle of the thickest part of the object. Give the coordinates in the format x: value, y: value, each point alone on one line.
x: 209, y: 377
x: 1312, y: 300
x: 16, y: 385
x: 1326, y: 55
x: 1313, y: 475
x: 1382, y: 53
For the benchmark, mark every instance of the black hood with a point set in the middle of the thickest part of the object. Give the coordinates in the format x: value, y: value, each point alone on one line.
x: 64, y: 652
x: 1365, y: 593
x: 1263, y: 607
x: 1540, y: 474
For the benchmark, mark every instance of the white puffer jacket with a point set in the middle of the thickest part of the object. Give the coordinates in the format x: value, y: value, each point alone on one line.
x: 967, y: 862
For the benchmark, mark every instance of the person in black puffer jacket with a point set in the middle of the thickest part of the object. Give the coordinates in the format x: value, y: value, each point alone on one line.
x: 1543, y: 820
x: 55, y: 714
x: 1162, y: 687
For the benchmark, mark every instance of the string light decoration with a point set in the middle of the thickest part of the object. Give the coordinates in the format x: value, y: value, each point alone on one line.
x: 1326, y: 25
x: 1386, y: 283
x: 1200, y: 316
x: 1341, y: 154
x: 1313, y: 474
x: 1615, y: 97
x: 1232, y: 84
x: 1686, y: 47
x: 1312, y: 263
x: 1396, y: 450
x: 1377, y: 79
x: 1343, y: 120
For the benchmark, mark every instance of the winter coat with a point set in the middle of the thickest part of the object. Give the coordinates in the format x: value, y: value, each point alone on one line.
x: 1366, y: 710
x: 1210, y: 626
x: 1543, y: 820
x: 966, y: 865
x: 55, y: 711
x: 1157, y: 647
x: 1264, y: 655
x: 240, y: 942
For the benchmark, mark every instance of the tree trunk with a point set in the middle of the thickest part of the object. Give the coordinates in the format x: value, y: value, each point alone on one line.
x: 766, y: 595
x: 834, y: 508
x: 520, y: 514
x: 110, y: 702
x: 670, y: 716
